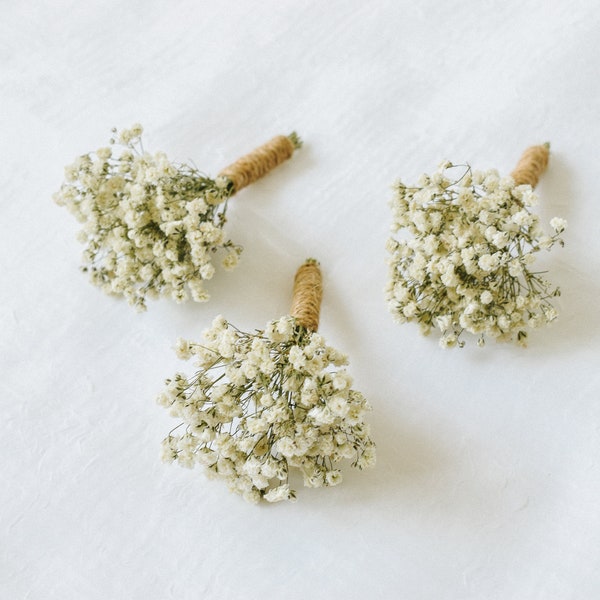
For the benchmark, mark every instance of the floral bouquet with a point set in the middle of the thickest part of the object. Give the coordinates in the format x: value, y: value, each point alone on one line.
x: 467, y: 263
x: 152, y: 227
x: 263, y: 403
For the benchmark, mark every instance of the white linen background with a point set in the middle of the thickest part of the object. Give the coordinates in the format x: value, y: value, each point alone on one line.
x: 488, y: 478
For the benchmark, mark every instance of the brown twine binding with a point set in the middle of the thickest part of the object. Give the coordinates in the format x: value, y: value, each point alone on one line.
x: 259, y: 162
x: 307, y: 296
x: 531, y: 165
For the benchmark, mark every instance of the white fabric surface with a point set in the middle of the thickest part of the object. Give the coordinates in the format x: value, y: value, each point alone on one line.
x: 488, y: 478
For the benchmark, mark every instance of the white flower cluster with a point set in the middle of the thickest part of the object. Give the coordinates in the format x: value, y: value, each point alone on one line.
x: 262, y: 403
x: 465, y: 265
x: 151, y: 227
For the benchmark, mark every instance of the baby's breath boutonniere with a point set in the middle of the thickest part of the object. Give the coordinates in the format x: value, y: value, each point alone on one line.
x: 153, y: 227
x: 467, y: 261
x: 263, y: 403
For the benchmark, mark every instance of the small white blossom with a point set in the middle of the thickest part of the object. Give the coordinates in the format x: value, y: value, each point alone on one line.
x: 500, y: 239
x: 558, y: 224
x: 486, y: 297
x: 280, y: 493
x: 410, y: 310
x: 488, y: 262
x: 183, y: 349
x: 338, y: 406
x: 333, y: 477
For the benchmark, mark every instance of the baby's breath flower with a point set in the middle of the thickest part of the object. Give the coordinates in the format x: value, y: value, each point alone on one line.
x: 471, y: 270
x: 279, y: 493
x: 486, y: 297
x: 558, y: 224
x: 251, y: 427
x: 151, y: 226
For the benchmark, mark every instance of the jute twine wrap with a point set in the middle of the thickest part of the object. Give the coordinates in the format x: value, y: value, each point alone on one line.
x: 531, y: 165
x: 259, y: 162
x: 308, y: 293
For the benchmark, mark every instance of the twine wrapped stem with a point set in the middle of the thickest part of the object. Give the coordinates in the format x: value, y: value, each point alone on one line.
x: 531, y: 165
x: 307, y: 295
x: 259, y: 162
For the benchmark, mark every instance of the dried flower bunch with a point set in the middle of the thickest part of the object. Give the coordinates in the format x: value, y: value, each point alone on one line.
x: 264, y: 402
x: 152, y: 227
x: 466, y: 264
